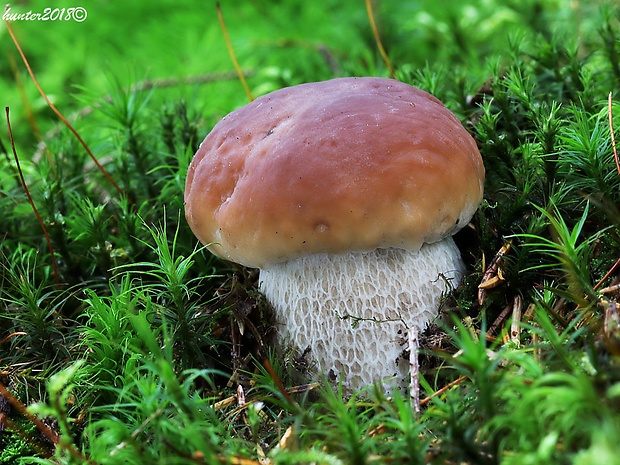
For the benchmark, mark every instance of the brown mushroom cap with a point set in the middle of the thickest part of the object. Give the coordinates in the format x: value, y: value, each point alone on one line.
x: 349, y: 164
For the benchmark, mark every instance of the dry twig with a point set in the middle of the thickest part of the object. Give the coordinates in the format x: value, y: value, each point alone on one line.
x: 515, y: 326
x: 59, y: 114
x: 443, y: 389
x: 493, y: 275
x: 375, y: 31
x: 50, y: 434
x: 611, y: 131
x: 414, y: 369
x: 500, y: 319
x: 231, y: 52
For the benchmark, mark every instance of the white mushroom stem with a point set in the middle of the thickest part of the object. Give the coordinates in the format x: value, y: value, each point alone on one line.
x: 353, y: 313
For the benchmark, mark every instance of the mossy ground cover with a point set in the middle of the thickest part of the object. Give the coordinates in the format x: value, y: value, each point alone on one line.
x: 129, y: 343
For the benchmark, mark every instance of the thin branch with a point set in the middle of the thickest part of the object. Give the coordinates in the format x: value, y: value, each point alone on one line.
x: 267, y: 364
x: 21, y: 408
x: 231, y: 52
x: 515, y: 327
x: 162, y: 83
x: 610, y: 289
x: 608, y: 274
x: 493, y: 276
x: 500, y: 319
x: 414, y: 369
x: 375, y: 31
x: 31, y: 201
x: 58, y: 113
x: 36, y: 445
x: 23, y: 97
x: 12, y: 335
x: 611, y: 132
x: 426, y: 400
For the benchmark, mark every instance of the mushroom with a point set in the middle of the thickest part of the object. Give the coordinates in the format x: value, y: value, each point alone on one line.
x: 345, y: 194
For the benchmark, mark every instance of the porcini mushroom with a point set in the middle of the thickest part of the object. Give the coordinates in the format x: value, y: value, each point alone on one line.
x: 345, y: 193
